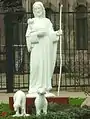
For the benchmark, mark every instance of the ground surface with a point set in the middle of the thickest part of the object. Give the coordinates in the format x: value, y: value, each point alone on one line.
x: 4, y: 97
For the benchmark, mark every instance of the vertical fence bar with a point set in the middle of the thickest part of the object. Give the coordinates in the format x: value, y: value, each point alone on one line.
x: 74, y: 50
x: 9, y: 55
x: 56, y: 75
x: 69, y: 50
x: 88, y: 52
x: 64, y: 50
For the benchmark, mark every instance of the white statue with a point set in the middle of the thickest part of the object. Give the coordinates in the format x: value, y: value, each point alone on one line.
x: 41, y: 102
x: 19, y: 99
x: 41, y: 41
x: 86, y: 102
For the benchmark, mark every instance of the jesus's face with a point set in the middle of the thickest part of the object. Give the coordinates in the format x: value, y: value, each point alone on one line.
x: 38, y: 10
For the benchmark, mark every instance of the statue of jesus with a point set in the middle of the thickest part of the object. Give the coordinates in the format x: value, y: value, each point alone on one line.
x: 41, y: 40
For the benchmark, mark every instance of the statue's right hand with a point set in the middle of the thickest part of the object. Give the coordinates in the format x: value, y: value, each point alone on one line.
x: 29, y: 49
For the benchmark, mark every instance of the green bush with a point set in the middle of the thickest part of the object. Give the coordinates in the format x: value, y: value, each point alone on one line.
x: 55, y: 111
x: 4, y: 110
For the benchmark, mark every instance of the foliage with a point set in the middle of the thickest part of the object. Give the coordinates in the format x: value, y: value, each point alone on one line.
x: 54, y: 106
x: 55, y: 111
x: 4, y: 110
x: 12, y: 5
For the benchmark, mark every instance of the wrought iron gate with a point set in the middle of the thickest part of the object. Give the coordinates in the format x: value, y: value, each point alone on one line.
x: 14, y: 58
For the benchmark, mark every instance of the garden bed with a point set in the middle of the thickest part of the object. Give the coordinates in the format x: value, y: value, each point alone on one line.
x: 55, y: 111
x: 58, y: 100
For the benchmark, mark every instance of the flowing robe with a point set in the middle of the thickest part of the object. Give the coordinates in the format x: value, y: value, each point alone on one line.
x: 43, y: 53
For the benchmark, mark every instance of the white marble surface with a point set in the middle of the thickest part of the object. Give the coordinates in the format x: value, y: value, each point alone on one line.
x: 19, y: 99
x: 41, y: 40
x: 41, y: 102
x: 86, y: 102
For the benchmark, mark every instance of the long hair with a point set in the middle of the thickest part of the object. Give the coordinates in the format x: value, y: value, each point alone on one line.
x: 43, y: 9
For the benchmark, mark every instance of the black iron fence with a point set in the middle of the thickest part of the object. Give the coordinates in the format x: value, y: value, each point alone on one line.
x: 14, y: 58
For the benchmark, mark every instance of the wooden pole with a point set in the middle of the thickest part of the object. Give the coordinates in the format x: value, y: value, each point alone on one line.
x: 60, y: 22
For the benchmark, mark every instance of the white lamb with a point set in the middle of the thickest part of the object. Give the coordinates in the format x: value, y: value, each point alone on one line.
x: 41, y: 102
x: 19, y: 102
x: 86, y: 102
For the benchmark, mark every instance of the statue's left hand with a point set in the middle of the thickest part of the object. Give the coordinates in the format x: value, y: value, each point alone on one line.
x: 59, y: 32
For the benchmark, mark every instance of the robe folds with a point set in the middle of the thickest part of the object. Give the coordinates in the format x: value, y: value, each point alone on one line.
x: 43, y: 53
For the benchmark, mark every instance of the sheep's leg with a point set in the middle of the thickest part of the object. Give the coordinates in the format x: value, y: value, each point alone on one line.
x: 45, y: 109
x: 38, y: 111
x: 17, y: 111
x: 23, y: 107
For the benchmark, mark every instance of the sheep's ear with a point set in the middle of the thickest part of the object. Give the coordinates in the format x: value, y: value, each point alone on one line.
x: 38, y: 92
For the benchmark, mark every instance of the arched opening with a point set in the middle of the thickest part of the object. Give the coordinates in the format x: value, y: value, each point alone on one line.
x: 81, y: 27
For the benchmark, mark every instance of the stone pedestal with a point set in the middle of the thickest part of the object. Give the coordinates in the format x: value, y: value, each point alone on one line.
x: 30, y: 102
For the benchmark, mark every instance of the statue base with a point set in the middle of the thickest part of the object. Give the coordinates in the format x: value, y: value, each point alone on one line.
x: 48, y: 94
x: 30, y: 101
x: 20, y: 115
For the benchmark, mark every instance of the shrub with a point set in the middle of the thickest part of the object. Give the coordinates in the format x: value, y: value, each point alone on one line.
x: 55, y: 111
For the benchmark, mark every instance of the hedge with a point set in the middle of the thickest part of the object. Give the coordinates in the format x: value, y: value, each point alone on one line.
x: 55, y: 111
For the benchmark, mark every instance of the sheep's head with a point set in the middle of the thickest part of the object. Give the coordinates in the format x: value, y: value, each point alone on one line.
x: 41, y: 91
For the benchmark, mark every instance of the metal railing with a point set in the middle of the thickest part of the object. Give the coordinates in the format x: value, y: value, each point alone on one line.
x: 76, y: 57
